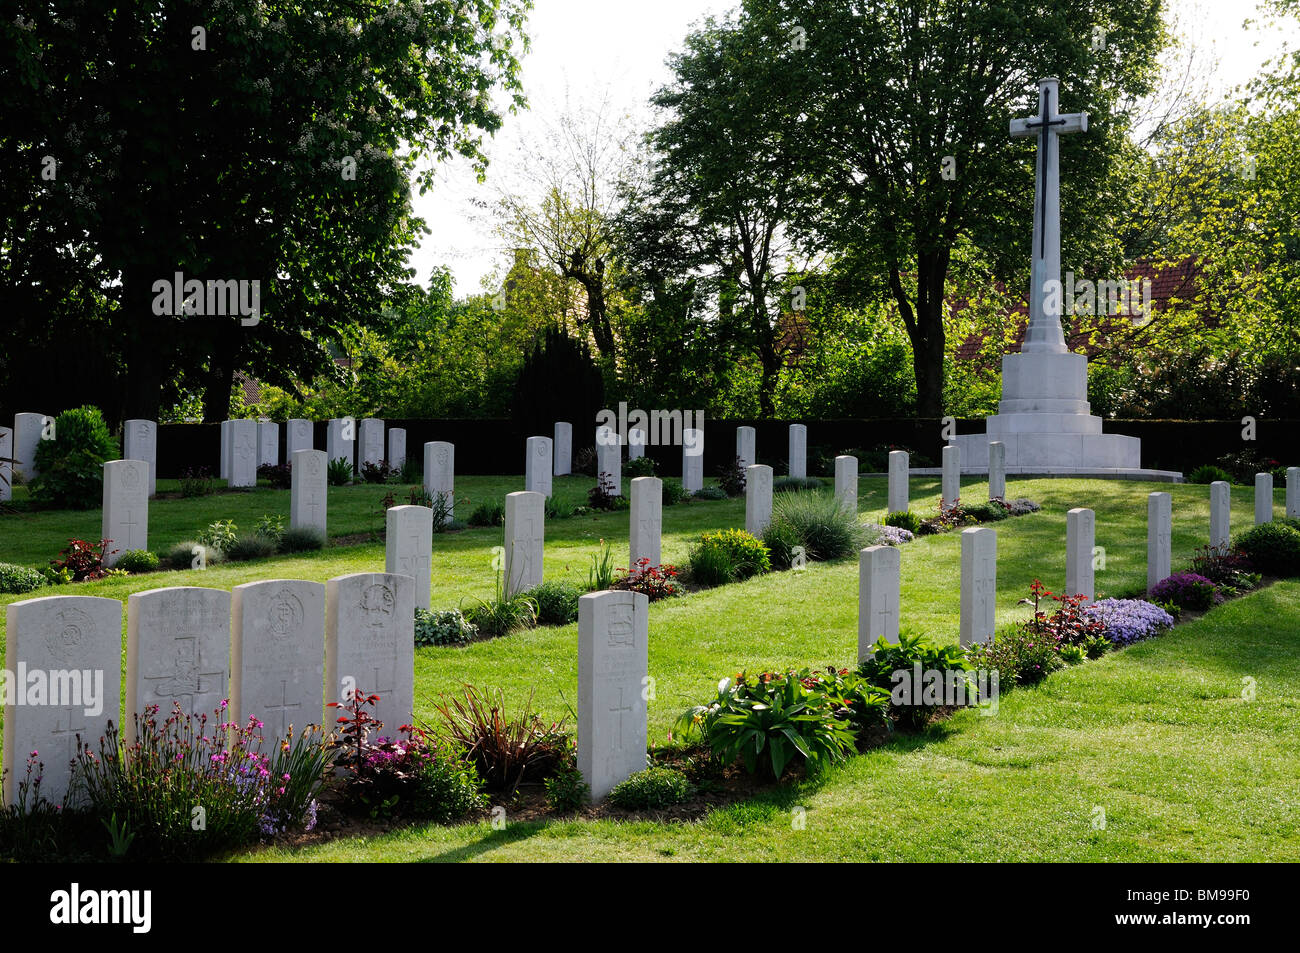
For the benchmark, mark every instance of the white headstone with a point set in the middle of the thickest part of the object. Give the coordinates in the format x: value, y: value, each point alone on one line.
x: 298, y: 435
x: 758, y: 498
x: 613, y: 667
x: 140, y: 442
x: 1080, y: 537
x: 636, y: 441
x: 692, y: 460
x: 979, y: 584
x: 538, y: 465
x: 125, y: 518
x: 27, y: 437
x: 242, y: 463
x: 177, y: 651
x: 77, y: 635
x: 341, y: 439
x: 408, y: 547
x: 899, y: 498
x: 277, y: 655
x: 525, y: 540
x: 372, y: 442
x: 1263, y: 498
x: 563, y: 449
x: 951, y: 476
x: 609, y: 459
x: 370, y: 645
x: 440, y: 472
x: 268, y: 443
x: 997, y: 470
x: 798, y: 451
x: 846, y: 482
x: 396, y: 447
x: 1160, y: 524
x: 879, y: 581
x: 646, y: 515
x: 746, y: 447
x: 1293, y: 492
x: 6, y: 468
x: 225, y: 449
x: 1220, y: 514
x: 308, y: 489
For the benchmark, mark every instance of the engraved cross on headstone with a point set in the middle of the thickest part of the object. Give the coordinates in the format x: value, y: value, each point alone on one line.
x: 283, y: 708
x: 69, y: 733
x: 1044, y: 331
x: 618, y: 710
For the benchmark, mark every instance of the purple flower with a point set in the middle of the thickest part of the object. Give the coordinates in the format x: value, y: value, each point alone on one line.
x: 1129, y: 620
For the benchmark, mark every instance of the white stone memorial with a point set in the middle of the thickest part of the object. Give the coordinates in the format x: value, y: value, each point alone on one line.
x: 6, y: 468
x: 308, y: 490
x: 613, y: 666
x: 1220, y: 514
x: 563, y: 449
x: 397, y: 447
x: 746, y: 447
x: 277, y: 655
x: 28, y: 429
x: 371, y: 441
x: 1293, y: 492
x: 979, y: 585
x: 177, y: 652
x: 370, y: 645
x: 440, y: 472
x: 299, y: 434
x: 899, y: 490
x: 758, y: 498
x: 242, y: 457
x: 1263, y: 498
x: 846, y: 482
x: 525, y: 540
x: 951, y: 484
x: 798, y: 463
x: 879, y: 582
x: 73, y: 645
x: 609, y: 459
x: 125, y: 513
x: 224, y: 472
x: 692, y: 460
x: 341, y: 439
x: 997, y: 470
x: 539, y: 465
x: 646, y: 518
x: 1160, y: 525
x: 140, y: 442
x: 1080, y: 537
x: 268, y: 443
x: 408, y: 547
x: 636, y: 441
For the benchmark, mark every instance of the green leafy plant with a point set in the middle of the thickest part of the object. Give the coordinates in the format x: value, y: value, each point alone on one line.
x: 182, y: 555
x: 441, y: 504
x: 119, y: 837
x: 19, y: 579
x: 219, y: 535
x: 278, y: 475
x: 1208, y: 473
x: 727, y: 556
x: 250, y: 546
x: 271, y: 527
x: 506, y: 749
x: 709, y: 493
x: 502, y: 614
x: 652, y: 789
x: 673, y: 492
x: 339, y: 472
x: 906, y: 520
x: 731, y: 477
x: 445, y: 627
x: 990, y: 511
x: 557, y: 509
x: 786, y: 484
x: 601, y: 574
x: 71, y: 463
x: 1019, y: 654
x: 566, y: 791
x: 197, y: 482
x: 81, y: 561
x: 893, y: 665
x: 301, y: 539
x: 1272, y: 548
x: 379, y: 472
x: 488, y: 514
x: 639, y: 467
x: 655, y: 582
x: 781, y: 540
x: 137, y: 560
x: 557, y: 602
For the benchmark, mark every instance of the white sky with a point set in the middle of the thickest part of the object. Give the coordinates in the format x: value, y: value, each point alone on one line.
x: 589, y: 49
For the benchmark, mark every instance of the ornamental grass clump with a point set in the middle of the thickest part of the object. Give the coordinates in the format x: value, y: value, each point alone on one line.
x: 823, y: 525
x: 1129, y: 620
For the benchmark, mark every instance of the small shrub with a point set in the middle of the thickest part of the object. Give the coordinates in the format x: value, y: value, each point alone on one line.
x: 566, y: 790
x: 1226, y: 567
x: 890, y: 668
x: 907, y: 520
x: 785, y: 484
x: 251, y: 546
x: 219, y: 535
x: 19, y: 579
x: 1208, y: 473
x: 301, y: 539
x: 1272, y: 548
x: 446, y: 789
x: 272, y: 527
x: 602, y: 496
x: 652, y: 789
x: 825, y: 527
x: 445, y: 627
x: 639, y: 467
x: 673, y: 492
x: 1129, y: 620
x: 557, y: 602
x: 71, y: 464
x: 505, y: 749
x: 1022, y: 507
x: 1097, y: 646
x: 601, y: 574
x: 376, y: 472
x: 886, y: 535
x: 1068, y: 623
x: 1019, y: 655
x: 781, y: 539
x: 985, y: 512
x: 197, y: 482
x: 731, y: 477
x: 488, y: 514
x: 80, y: 561
x: 656, y: 582
x: 501, y: 614
x: 137, y: 560
x: 728, y: 555
x: 1187, y: 590
x: 411, y: 470
x: 709, y: 493
x: 278, y: 475
x: 183, y: 555
x: 557, y: 510
x: 1073, y: 654
x: 339, y: 472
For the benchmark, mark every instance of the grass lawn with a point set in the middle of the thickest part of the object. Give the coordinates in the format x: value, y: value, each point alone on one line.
x: 1156, y: 736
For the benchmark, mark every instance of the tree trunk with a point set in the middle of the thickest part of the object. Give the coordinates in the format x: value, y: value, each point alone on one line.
x: 144, y: 354
x: 924, y: 324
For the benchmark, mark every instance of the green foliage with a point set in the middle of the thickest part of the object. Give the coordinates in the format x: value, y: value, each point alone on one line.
x: 639, y: 467
x: 558, y: 381
x: 605, y: 494
x: 1019, y: 654
x: 197, y: 482
x: 907, y: 520
x: 673, y: 492
x: 219, y: 535
x: 249, y: 546
x: 557, y: 509
x: 182, y: 555
x: 490, y: 513
x: 893, y: 664
x: 271, y: 527
x: 500, y: 614
x: 440, y: 503
x: 339, y: 472
x: 137, y: 560
x: 1207, y: 473
x: 557, y: 602
x: 728, y: 556
x: 784, y: 484
x: 601, y: 574
x: 781, y: 540
x: 506, y: 749
x: 445, y: 627
x: 985, y: 511
x: 731, y: 477
x: 1272, y: 548
x: 19, y: 579
x: 71, y: 465
x: 301, y: 539
x: 445, y: 790
x: 566, y: 791
x: 823, y: 525
x: 652, y: 789
x: 709, y: 492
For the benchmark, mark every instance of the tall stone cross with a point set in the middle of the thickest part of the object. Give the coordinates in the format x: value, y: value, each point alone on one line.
x: 1044, y: 331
